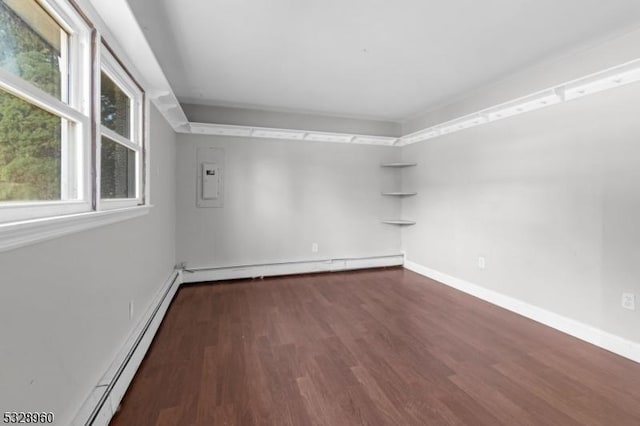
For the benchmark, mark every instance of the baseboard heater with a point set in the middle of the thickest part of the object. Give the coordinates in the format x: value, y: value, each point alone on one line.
x: 101, y: 413
x: 202, y: 274
x: 105, y: 398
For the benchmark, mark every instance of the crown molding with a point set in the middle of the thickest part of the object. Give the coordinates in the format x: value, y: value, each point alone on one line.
x: 119, y: 25
x: 286, y: 134
x: 610, y: 78
x: 607, y: 79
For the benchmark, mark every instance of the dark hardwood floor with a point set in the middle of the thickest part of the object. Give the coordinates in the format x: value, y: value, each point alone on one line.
x: 376, y: 347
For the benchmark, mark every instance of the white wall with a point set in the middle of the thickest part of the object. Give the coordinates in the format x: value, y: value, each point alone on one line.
x: 64, y: 313
x: 617, y: 50
x: 282, y: 196
x: 552, y: 200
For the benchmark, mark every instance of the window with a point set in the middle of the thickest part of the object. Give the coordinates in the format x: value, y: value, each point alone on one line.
x: 121, y: 148
x: 34, y: 46
x: 71, y: 138
x: 44, y: 125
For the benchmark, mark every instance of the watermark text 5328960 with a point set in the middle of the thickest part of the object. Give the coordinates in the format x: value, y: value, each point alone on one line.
x: 27, y: 417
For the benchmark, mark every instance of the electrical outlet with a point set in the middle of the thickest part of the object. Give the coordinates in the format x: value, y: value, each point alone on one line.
x: 130, y: 309
x: 481, y: 262
x: 629, y: 301
x: 314, y: 247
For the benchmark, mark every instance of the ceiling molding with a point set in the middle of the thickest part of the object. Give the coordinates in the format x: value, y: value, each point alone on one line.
x: 374, y: 62
x: 286, y: 134
x: 604, y: 80
x: 610, y: 78
x: 119, y: 26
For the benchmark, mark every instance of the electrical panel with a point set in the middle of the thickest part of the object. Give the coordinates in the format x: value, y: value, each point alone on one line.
x: 210, y: 181
x: 209, y: 177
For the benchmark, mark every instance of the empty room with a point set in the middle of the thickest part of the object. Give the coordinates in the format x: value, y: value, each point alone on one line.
x: 320, y: 212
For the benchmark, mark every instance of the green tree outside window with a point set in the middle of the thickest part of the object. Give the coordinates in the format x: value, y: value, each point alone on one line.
x: 30, y: 138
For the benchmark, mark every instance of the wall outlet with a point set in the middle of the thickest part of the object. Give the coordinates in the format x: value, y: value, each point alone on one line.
x: 629, y: 301
x: 130, y: 309
x: 481, y: 262
x: 314, y: 247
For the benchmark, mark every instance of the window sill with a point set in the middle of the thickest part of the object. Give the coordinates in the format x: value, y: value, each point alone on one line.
x: 20, y: 234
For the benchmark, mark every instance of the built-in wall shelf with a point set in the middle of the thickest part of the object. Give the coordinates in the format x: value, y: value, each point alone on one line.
x: 399, y: 164
x: 399, y: 194
x: 399, y: 222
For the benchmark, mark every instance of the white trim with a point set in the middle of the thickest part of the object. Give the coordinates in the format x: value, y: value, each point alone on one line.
x: 329, y: 137
x: 290, y: 134
x: 118, y: 203
x: 110, y: 66
x: 609, y: 78
x: 604, y: 80
x: 527, y: 104
x: 74, y: 111
x: 121, y: 78
x: 25, y: 90
x: 122, y: 28
x: 12, y: 211
x: 75, y: 134
x: 218, y: 129
x: 120, y: 373
x: 23, y: 223
x: 96, y: 115
x: 117, y: 137
x: 286, y: 134
x: 110, y: 203
x: 19, y: 234
x: 79, y: 51
x: 590, y: 334
x: 118, y: 26
x: 375, y: 140
x: 200, y: 274
x: 145, y: 157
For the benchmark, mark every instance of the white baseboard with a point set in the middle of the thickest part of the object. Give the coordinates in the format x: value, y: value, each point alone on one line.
x: 105, y: 398
x: 595, y: 336
x: 194, y: 275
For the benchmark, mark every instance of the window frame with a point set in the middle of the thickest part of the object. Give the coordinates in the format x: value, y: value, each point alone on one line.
x: 121, y: 77
x: 76, y: 109
x: 27, y: 222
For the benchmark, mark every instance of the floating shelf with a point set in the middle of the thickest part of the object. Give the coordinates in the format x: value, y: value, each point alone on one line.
x: 398, y: 164
x: 400, y: 194
x: 399, y: 222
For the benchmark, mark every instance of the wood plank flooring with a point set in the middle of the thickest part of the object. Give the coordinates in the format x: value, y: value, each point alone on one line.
x: 375, y: 347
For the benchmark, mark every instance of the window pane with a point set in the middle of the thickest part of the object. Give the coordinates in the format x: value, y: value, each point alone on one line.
x: 30, y: 151
x: 31, y: 43
x: 117, y: 170
x: 116, y: 107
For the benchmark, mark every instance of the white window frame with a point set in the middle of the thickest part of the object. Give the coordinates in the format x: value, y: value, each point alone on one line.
x: 24, y: 223
x: 118, y: 74
x: 76, y: 109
